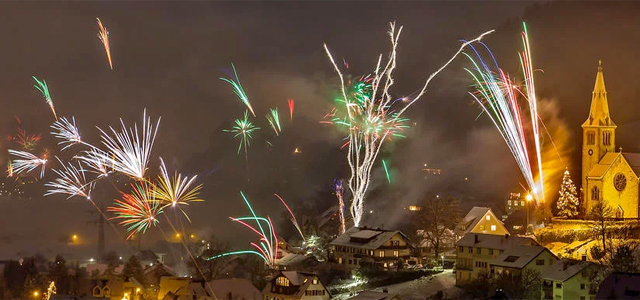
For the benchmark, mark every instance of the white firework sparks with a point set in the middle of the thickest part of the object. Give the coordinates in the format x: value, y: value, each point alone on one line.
x: 364, y: 146
x: 27, y: 163
x: 71, y: 181
x: 97, y: 161
x: 129, y: 150
x: 66, y: 131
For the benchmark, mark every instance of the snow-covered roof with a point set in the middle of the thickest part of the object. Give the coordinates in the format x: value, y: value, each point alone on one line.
x: 291, y: 259
x: 492, y: 241
x: 296, y: 278
x: 365, y: 238
x: 564, y: 269
x: 518, y: 256
x: 471, y: 219
x: 237, y: 288
x: 102, y: 268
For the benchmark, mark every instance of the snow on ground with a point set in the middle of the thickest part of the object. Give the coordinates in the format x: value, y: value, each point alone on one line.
x: 420, y: 288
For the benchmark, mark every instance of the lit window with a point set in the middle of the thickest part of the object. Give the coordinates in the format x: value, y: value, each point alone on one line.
x: 282, y: 281
x: 493, y: 227
x: 509, y: 202
x: 340, y: 260
x: 522, y: 203
x: 395, y: 253
x: 381, y: 253
x: 515, y: 203
x: 315, y: 280
x: 488, y: 218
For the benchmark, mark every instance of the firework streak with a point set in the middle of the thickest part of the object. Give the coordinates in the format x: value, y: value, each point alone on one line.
x: 237, y: 88
x: 293, y: 217
x: 67, y: 132
x: 274, y: 120
x: 291, y: 106
x: 267, y: 247
x: 341, y: 208
x: 103, y: 35
x: 498, y: 96
x: 386, y: 171
x: 44, y: 89
x: 372, y: 118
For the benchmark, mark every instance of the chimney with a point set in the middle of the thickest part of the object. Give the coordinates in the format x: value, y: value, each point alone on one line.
x: 475, y: 241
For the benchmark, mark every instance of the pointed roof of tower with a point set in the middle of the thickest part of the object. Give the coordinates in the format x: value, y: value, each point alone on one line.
x: 599, y: 112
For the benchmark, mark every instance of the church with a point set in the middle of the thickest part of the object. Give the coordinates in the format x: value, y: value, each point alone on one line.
x: 607, y: 175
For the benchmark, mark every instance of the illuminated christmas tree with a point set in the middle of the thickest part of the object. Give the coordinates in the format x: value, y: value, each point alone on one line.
x: 568, y: 201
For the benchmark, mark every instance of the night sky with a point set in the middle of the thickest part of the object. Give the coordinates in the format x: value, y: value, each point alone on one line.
x: 168, y: 57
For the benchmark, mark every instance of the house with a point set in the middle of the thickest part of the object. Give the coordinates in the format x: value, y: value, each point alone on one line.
x: 182, y: 288
x: 378, y: 246
x: 290, y: 285
x: 620, y: 286
x: 569, y: 279
x: 481, y: 220
x: 475, y: 251
x: 154, y: 273
x: 372, y: 295
x: 234, y: 289
x: 517, y: 258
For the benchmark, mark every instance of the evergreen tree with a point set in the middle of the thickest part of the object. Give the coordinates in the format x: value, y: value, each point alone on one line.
x: 568, y: 201
x: 133, y: 268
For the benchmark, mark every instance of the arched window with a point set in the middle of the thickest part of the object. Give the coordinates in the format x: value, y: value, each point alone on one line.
x: 106, y: 292
x: 606, y: 138
x: 591, y: 138
x: 97, y: 292
x: 595, y: 193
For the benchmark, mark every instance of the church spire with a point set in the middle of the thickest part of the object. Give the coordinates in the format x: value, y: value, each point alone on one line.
x: 599, y: 113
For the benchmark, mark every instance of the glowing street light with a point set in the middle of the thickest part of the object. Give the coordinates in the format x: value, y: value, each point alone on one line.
x: 36, y: 293
x: 74, y: 237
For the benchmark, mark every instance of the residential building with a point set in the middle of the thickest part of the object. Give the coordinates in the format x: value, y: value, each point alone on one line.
x: 569, y: 279
x: 522, y: 257
x: 378, y: 246
x: 474, y: 252
x: 481, y: 220
x: 515, y: 202
x: 234, y: 289
x: 607, y: 175
x: 295, y: 285
x: 182, y: 288
x: 619, y: 286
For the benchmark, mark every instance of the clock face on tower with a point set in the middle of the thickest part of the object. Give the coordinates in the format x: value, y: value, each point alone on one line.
x: 590, y: 151
x: 620, y: 182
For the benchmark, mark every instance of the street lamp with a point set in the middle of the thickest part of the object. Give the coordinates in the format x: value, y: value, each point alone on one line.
x: 442, y: 262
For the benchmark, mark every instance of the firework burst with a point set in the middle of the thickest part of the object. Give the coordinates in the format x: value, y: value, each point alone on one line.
x: 371, y: 117
x: 129, y: 150
x: 97, y: 161
x: 176, y: 191
x: 27, y: 162
x: 103, y: 35
x: 27, y: 141
x: 138, y: 209
x: 293, y: 217
x: 237, y: 88
x: 44, y: 89
x: 67, y: 132
x: 243, y: 130
x: 71, y: 181
x: 341, y: 207
x: 291, y: 106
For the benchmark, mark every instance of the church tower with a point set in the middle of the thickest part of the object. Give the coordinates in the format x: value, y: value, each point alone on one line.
x: 598, y: 131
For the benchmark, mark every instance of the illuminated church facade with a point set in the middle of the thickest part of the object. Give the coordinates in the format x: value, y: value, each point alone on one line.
x: 607, y: 175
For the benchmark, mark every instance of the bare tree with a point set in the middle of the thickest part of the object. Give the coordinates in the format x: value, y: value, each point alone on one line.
x: 601, y: 213
x: 522, y: 285
x: 437, y: 217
